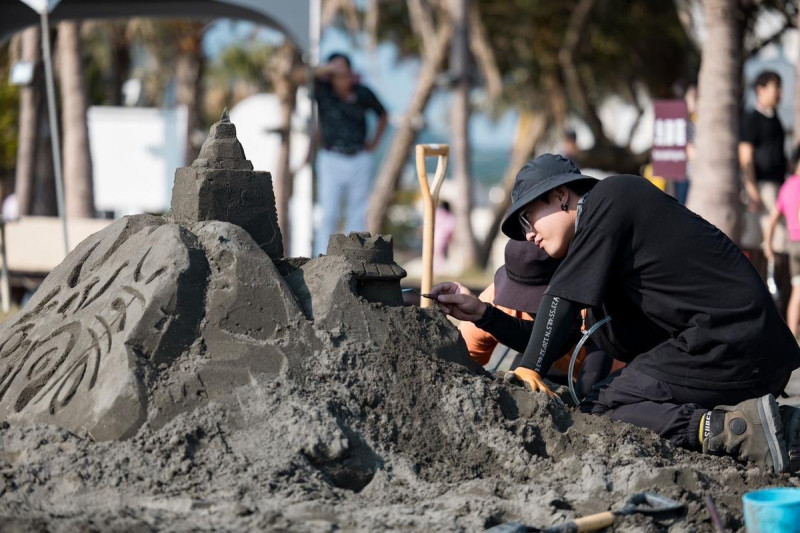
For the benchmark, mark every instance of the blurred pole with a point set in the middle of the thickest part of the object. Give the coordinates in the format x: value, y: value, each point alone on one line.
x: 5, y: 283
x: 55, y: 136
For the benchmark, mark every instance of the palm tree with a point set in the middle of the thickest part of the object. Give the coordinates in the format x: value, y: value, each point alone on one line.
x: 464, y: 246
x: 35, y: 187
x: 175, y: 47
x: 31, y: 100
x: 189, y: 63
x: 434, y: 40
x: 715, y: 185
x: 78, y: 189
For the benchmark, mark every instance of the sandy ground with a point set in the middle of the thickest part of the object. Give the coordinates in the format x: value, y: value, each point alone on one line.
x: 362, y: 440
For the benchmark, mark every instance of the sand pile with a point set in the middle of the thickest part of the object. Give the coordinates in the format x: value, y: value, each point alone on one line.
x: 177, y: 373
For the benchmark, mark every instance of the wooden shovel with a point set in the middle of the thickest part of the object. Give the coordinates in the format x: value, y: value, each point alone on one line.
x: 430, y: 199
x: 646, y: 503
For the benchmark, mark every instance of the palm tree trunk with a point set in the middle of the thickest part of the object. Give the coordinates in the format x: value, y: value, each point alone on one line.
x: 397, y: 155
x: 121, y: 59
x: 78, y: 188
x: 283, y: 64
x: 464, y: 247
x: 188, y: 80
x: 714, y: 194
x: 31, y: 101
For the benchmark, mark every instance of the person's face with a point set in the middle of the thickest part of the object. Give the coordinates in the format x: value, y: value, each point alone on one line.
x: 770, y: 94
x: 552, y: 228
x: 342, y: 76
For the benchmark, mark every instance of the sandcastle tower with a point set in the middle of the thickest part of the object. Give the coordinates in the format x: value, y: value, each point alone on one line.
x: 222, y: 185
x: 372, y: 263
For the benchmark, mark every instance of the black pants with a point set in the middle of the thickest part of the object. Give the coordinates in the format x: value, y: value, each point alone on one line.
x: 672, y: 411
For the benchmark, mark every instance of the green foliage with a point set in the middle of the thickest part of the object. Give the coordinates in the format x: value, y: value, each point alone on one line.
x: 239, y: 71
x: 9, y: 115
x: 98, y: 62
x: 641, y: 41
x: 242, y: 64
x: 626, y: 41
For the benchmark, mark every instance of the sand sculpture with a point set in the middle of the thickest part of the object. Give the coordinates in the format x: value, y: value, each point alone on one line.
x: 155, y: 315
x: 177, y: 374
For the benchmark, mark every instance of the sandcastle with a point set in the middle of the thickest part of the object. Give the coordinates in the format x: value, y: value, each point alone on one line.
x: 153, y: 316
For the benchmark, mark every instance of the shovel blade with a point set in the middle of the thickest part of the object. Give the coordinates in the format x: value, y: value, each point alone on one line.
x: 652, y: 504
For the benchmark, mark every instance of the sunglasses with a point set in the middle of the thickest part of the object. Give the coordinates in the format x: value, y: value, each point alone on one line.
x: 527, y: 227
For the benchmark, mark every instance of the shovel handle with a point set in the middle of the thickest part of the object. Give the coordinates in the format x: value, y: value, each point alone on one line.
x: 430, y: 198
x: 431, y: 191
x: 592, y: 522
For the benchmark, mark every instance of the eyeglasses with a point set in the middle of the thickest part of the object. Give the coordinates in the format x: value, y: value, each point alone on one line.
x: 527, y: 227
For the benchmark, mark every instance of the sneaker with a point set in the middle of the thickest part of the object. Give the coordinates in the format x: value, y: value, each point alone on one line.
x: 790, y: 418
x: 750, y: 431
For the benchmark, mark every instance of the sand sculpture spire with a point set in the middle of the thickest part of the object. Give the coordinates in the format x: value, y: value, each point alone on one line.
x: 222, y: 185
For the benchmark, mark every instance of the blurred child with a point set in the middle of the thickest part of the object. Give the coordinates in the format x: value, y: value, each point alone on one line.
x: 788, y: 206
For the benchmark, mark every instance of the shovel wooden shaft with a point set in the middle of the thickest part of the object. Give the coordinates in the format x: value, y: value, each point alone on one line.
x: 592, y: 522
x: 430, y: 199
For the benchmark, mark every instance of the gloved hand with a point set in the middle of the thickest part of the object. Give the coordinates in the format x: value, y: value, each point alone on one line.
x: 531, y: 377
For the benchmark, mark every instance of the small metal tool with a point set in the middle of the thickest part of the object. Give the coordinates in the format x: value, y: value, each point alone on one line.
x: 424, y: 295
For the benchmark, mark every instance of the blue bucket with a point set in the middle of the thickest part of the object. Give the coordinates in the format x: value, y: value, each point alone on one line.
x: 772, y: 510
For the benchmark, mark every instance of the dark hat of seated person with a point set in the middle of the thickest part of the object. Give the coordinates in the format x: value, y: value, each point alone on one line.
x: 521, y: 282
x: 535, y: 178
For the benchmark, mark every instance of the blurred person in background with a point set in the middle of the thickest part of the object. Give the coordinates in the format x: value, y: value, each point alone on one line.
x: 761, y: 155
x: 344, y: 161
x: 443, y: 231
x: 569, y: 146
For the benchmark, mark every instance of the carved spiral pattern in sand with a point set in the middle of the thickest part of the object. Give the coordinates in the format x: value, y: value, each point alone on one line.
x: 50, y: 365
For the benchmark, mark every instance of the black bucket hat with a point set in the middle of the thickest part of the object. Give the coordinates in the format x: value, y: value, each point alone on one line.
x: 537, y: 177
x: 521, y: 282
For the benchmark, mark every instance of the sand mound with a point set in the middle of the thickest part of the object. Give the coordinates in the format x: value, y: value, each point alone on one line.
x: 178, y: 374
x: 362, y: 439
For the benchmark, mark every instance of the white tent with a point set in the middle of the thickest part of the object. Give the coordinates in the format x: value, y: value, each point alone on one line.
x: 290, y: 17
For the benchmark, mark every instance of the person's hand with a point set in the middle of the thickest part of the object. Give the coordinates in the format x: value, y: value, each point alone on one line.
x: 457, y: 301
x: 531, y: 377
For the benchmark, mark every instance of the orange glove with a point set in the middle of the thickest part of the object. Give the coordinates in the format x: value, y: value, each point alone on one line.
x: 531, y: 377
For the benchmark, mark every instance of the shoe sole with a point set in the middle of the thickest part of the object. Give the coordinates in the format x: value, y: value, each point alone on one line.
x: 770, y: 418
x: 790, y: 417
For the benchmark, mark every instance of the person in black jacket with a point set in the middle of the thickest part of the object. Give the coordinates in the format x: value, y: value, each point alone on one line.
x: 706, y: 348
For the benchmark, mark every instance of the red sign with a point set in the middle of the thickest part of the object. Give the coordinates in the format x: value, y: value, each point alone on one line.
x: 669, y: 139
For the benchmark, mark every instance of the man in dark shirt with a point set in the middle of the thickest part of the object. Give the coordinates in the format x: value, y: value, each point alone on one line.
x: 761, y: 152
x: 344, y: 164
x: 688, y: 312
